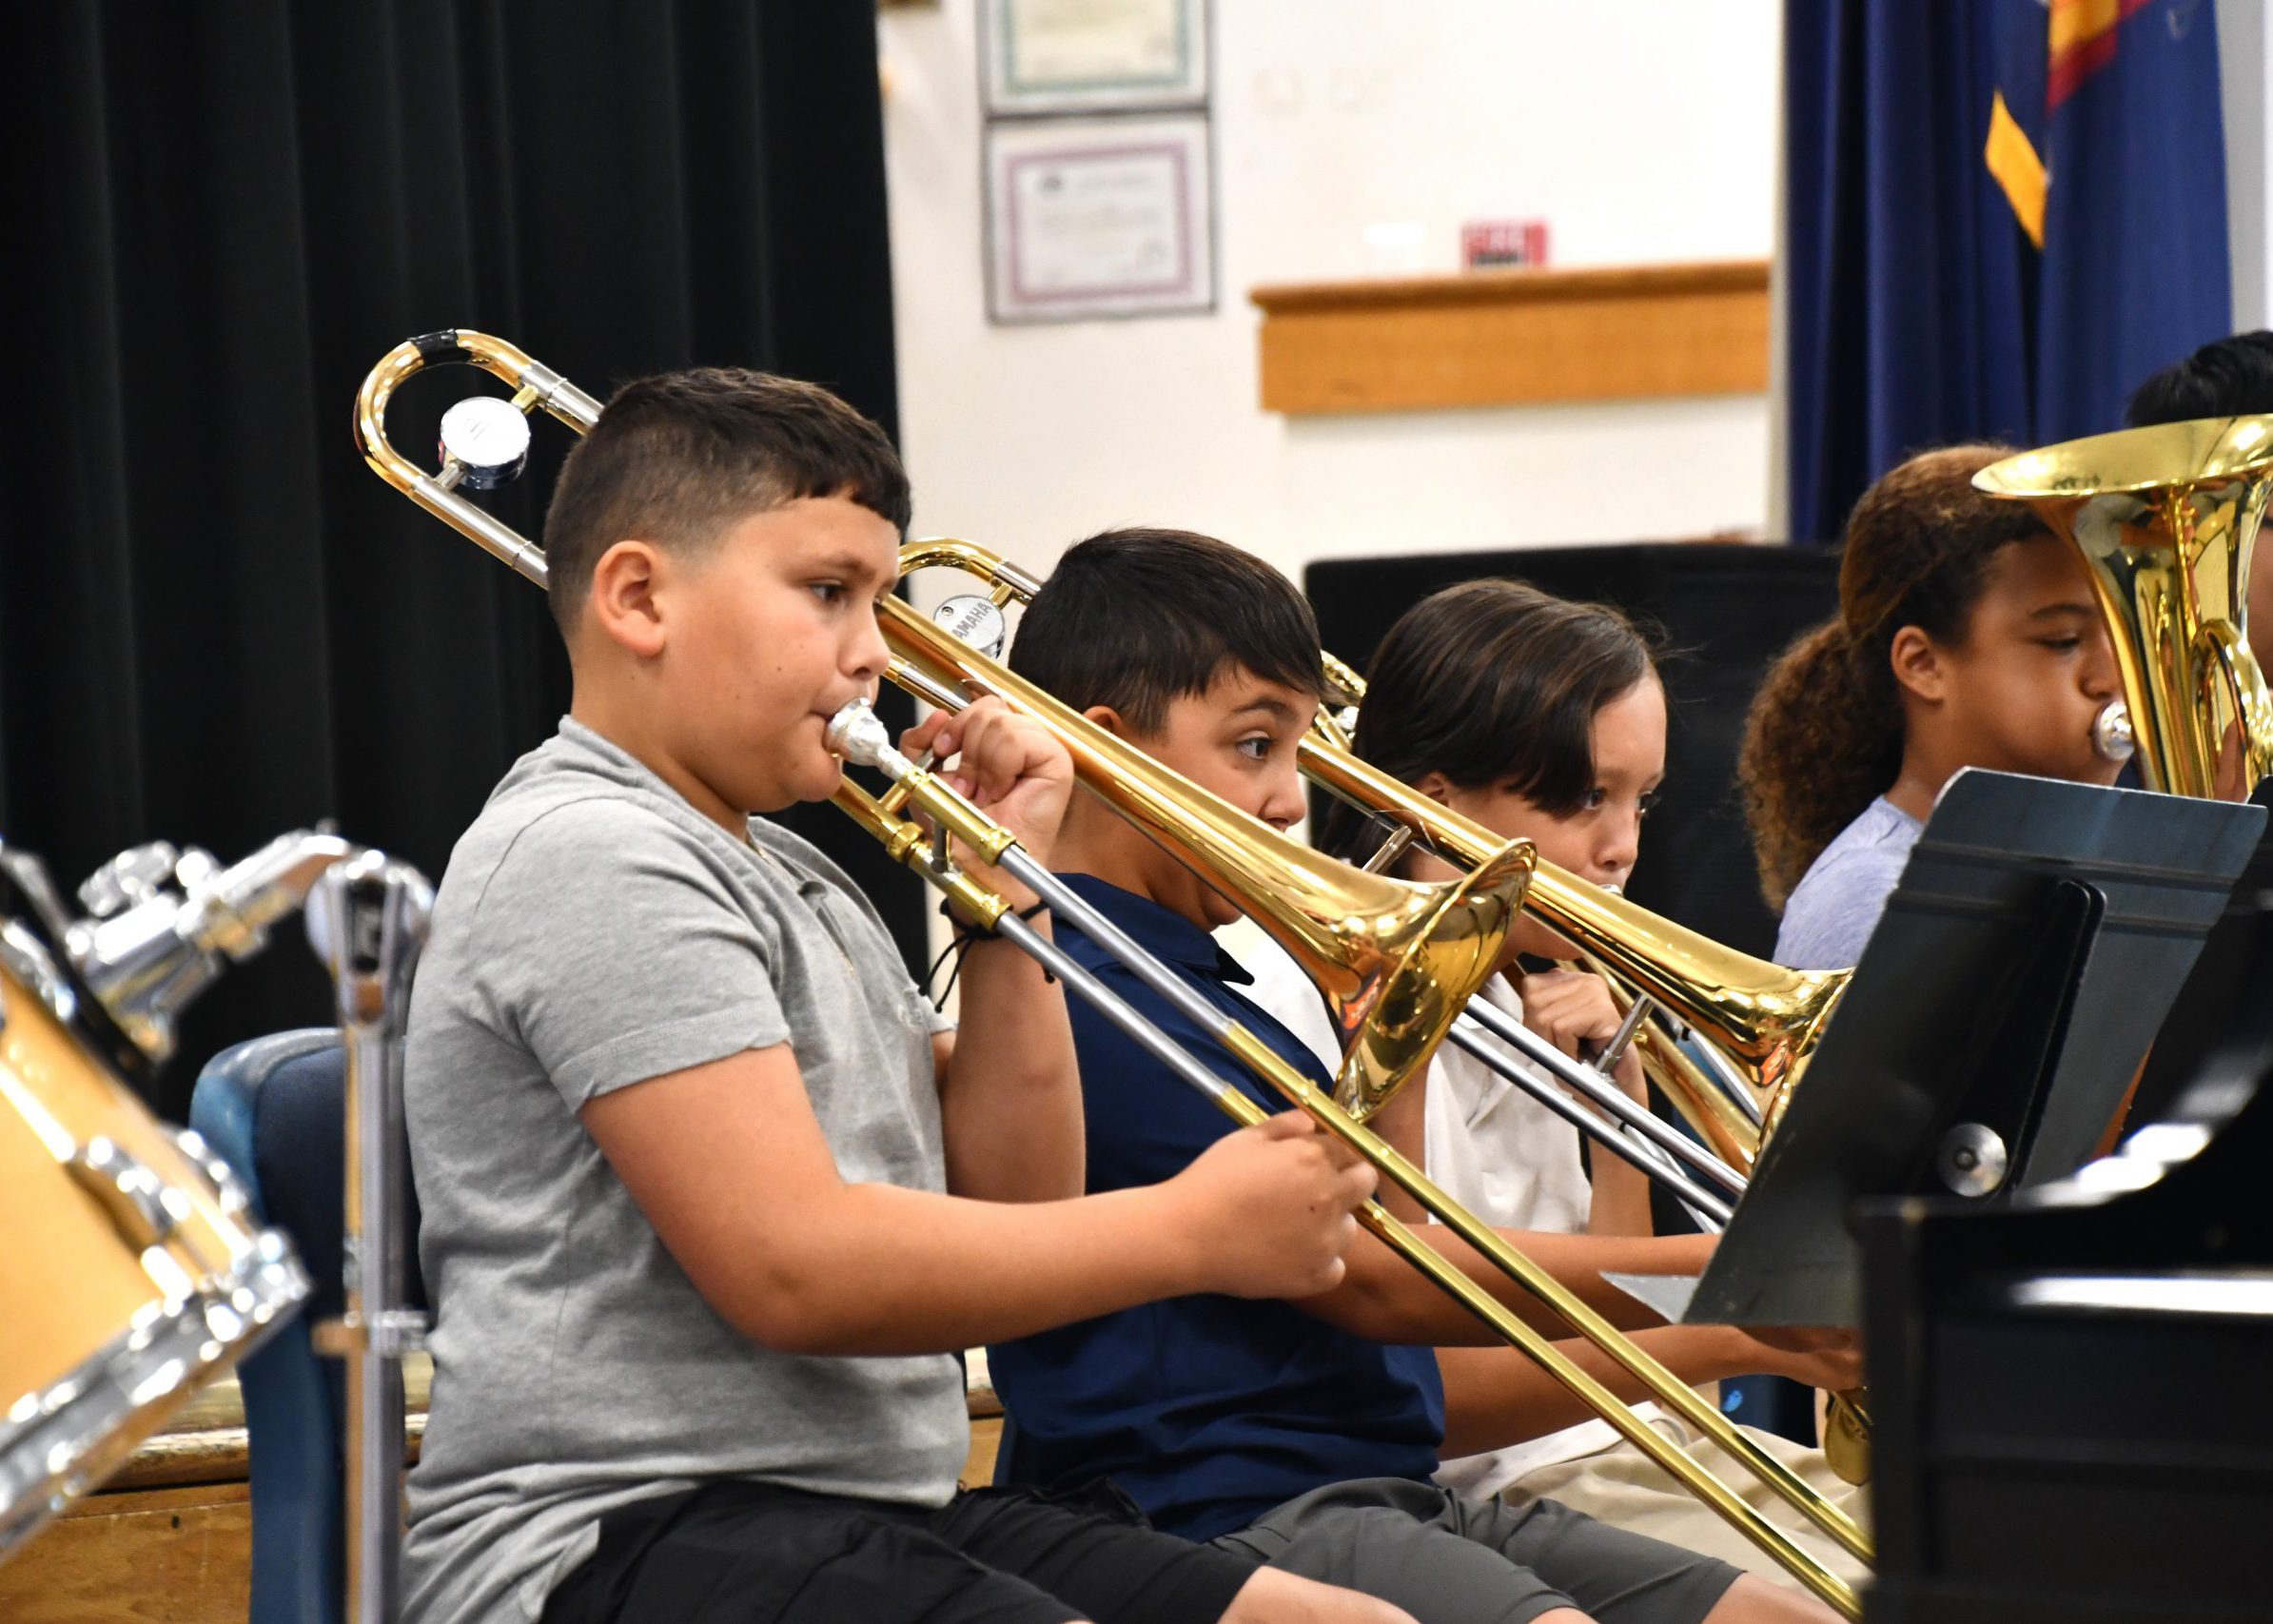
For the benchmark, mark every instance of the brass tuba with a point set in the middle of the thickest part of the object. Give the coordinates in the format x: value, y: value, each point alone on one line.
x: 2165, y: 519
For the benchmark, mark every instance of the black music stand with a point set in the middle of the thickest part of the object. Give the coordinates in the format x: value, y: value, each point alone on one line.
x: 2000, y: 1013
x: 2221, y: 1025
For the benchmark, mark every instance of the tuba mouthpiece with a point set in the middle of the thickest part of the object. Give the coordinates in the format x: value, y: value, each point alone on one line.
x: 2111, y: 732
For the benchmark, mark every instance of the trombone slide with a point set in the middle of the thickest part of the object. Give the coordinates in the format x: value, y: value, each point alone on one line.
x: 936, y: 799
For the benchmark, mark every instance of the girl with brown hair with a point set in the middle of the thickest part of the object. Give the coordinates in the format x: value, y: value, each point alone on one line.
x: 1966, y: 637
x: 1544, y: 719
x: 1541, y: 719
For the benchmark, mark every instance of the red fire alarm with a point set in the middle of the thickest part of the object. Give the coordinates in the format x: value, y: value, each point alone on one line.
x: 1491, y: 244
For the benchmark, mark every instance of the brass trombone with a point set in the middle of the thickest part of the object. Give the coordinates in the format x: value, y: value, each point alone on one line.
x: 1765, y: 1019
x: 1772, y: 1017
x: 1721, y: 1105
x: 1398, y: 978
x: 1283, y: 894
x: 1397, y: 960
x: 973, y: 623
x: 1626, y: 1128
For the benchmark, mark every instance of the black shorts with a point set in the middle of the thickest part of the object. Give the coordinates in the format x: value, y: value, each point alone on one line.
x: 754, y: 1554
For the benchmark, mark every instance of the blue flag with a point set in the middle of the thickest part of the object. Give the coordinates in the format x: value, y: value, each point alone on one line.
x: 2003, y: 215
x: 2135, y: 270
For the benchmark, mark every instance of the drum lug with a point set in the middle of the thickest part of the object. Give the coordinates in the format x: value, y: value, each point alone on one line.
x: 134, y: 1196
x: 226, y: 1185
x: 135, y: 875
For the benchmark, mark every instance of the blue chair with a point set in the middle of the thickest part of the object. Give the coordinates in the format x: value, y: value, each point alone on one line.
x: 274, y: 1108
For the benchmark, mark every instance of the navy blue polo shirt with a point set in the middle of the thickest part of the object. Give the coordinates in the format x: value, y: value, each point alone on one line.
x: 1208, y: 1410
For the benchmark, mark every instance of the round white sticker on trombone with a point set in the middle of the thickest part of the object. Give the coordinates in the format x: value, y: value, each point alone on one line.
x: 488, y: 437
x: 975, y: 620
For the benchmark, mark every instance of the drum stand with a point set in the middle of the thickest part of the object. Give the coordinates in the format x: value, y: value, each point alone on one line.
x: 367, y: 920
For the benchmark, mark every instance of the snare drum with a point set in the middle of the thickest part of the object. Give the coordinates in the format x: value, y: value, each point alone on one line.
x: 131, y: 1269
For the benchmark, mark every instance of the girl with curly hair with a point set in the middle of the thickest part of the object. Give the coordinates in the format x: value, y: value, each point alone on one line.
x: 1966, y: 637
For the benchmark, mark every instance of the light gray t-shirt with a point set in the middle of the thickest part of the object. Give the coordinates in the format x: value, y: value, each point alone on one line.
x: 594, y: 930
x: 1832, y: 910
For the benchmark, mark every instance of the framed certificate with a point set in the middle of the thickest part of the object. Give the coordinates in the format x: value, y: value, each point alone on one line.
x: 1054, y: 56
x: 1099, y: 217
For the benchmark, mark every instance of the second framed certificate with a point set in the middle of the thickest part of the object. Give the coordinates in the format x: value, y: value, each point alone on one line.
x: 1099, y: 217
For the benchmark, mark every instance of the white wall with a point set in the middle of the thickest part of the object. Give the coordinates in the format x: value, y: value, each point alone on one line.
x: 2244, y: 70
x: 1643, y: 132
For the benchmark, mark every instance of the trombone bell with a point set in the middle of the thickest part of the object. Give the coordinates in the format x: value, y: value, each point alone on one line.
x: 1395, y: 961
x: 1763, y: 1017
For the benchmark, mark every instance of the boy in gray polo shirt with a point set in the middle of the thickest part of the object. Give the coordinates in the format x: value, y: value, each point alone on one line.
x: 710, y: 1194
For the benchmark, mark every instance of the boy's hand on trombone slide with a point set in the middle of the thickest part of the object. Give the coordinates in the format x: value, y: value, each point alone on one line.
x: 1009, y: 766
x: 1270, y: 1209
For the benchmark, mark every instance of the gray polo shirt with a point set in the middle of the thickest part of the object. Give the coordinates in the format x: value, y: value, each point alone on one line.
x: 1831, y: 914
x: 592, y: 931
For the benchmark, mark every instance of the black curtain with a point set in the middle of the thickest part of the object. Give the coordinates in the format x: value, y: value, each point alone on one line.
x: 215, y: 623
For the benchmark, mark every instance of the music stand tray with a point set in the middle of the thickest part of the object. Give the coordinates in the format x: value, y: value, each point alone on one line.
x: 2004, y: 1005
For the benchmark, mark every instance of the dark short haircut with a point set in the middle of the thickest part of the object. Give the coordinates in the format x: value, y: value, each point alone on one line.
x: 1491, y: 682
x: 2231, y: 378
x: 1137, y: 618
x: 679, y: 457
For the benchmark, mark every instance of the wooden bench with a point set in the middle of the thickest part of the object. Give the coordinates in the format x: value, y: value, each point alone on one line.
x: 169, y: 1540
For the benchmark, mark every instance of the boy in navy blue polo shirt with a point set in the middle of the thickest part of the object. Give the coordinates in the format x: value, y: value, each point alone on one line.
x: 1301, y: 1432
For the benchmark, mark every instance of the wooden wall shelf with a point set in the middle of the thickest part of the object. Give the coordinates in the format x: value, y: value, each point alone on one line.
x: 1502, y: 337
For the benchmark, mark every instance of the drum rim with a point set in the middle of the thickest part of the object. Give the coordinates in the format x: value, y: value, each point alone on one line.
x: 68, y: 1436
x: 33, y: 952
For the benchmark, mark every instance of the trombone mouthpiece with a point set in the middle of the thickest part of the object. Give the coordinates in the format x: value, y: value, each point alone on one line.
x: 2111, y: 732
x: 858, y: 736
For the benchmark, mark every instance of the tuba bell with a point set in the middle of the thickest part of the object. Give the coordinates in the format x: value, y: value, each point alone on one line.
x: 2165, y: 519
